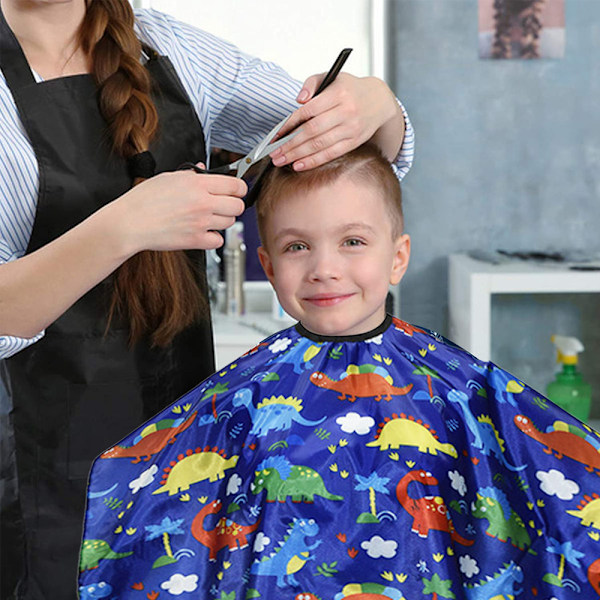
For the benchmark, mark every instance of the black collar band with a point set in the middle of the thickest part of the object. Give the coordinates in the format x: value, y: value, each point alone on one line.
x: 359, y: 337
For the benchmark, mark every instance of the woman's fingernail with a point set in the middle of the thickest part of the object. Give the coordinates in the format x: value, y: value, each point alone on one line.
x: 279, y: 160
x: 303, y: 95
x: 298, y: 166
x: 276, y: 153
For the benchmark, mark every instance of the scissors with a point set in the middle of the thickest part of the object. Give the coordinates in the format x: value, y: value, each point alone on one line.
x: 239, y: 167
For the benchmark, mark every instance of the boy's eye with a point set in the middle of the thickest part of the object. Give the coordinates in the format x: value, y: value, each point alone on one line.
x: 295, y: 247
x: 354, y: 242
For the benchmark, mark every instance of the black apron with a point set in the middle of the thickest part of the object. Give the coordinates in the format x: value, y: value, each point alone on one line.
x: 76, y: 392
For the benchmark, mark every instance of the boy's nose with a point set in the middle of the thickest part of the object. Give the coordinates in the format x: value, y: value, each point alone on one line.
x: 324, y: 266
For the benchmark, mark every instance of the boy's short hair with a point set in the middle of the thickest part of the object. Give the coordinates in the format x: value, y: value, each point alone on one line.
x: 364, y: 164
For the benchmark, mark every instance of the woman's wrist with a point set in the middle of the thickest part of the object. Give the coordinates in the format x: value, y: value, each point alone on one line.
x: 390, y: 134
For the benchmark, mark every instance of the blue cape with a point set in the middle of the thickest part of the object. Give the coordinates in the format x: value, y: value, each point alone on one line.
x: 385, y: 466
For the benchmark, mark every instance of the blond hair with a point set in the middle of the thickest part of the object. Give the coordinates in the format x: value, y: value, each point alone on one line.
x: 364, y: 165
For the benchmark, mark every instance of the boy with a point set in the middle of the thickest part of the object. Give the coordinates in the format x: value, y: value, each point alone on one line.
x: 353, y: 455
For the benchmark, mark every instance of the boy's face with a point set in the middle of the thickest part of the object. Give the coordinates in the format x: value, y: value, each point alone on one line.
x: 330, y: 257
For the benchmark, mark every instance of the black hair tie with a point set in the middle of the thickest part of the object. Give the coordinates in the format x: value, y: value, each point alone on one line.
x: 141, y: 165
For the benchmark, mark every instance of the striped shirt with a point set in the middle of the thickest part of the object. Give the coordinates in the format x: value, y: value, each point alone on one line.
x: 238, y: 98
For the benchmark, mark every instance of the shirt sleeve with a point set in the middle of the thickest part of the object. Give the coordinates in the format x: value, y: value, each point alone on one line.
x: 237, y: 97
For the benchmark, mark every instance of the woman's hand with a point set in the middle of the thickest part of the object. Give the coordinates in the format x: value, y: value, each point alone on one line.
x: 181, y: 210
x: 349, y: 112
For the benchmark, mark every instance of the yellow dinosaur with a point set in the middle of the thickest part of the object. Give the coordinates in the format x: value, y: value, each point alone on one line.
x: 588, y: 510
x: 406, y: 431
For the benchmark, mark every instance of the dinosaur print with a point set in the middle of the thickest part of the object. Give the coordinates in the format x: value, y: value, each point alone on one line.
x: 369, y: 591
x: 406, y: 431
x: 563, y: 441
x: 227, y: 533
x: 588, y: 511
x: 503, y: 383
x: 486, y: 438
x: 292, y: 554
x: 362, y: 384
x: 405, y: 328
x: 194, y: 466
x: 95, y: 590
x: 281, y: 479
x: 93, y: 551
x: 276, y: 413
x: 151, y: 440
x: 593, y: 575
x: 504, y: 523
x: 499, y: 587
x: 298, y: 355
x: 428, y: 512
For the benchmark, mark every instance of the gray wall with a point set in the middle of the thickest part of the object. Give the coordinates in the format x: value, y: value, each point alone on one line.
x: 507, y: 156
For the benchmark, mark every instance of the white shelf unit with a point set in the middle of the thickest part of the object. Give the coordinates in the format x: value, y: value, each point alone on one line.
x: 473, y: 282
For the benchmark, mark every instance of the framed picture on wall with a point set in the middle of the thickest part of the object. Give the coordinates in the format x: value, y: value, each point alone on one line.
x: 521, y: 29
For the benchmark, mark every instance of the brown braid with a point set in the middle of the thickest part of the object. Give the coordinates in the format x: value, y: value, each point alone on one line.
x: 156, y: 291
x: 528, y: 13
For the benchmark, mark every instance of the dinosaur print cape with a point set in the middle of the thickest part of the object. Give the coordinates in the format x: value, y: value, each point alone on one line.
x: 388, y: 466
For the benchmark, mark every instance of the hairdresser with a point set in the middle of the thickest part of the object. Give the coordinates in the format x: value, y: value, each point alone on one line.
x: 104, y: 317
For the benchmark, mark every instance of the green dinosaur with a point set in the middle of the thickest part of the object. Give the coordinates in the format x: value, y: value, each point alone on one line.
x: 504, y: 523
x: 281, y: 479
x: 93, y: 551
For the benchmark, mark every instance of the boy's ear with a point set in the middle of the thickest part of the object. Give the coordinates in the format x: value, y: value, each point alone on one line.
x: 401, y: 258
x: 265, y: 261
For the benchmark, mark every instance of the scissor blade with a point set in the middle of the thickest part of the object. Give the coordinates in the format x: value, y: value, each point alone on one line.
x: 257, y: 155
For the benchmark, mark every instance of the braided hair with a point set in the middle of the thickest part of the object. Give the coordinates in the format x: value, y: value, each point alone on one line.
x: 157, y: 292
x: 527, y: 14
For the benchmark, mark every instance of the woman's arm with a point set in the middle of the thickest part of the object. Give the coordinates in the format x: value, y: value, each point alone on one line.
x: 239, y: 98
x: 172, y: 211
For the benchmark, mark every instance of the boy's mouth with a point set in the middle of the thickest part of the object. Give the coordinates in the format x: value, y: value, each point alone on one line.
x: 327, y: 299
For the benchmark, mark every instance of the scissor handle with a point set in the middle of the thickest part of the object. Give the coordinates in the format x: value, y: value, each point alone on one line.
x: 335, y: 69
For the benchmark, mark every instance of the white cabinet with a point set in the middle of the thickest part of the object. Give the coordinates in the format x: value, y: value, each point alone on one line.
x: 472, y: 282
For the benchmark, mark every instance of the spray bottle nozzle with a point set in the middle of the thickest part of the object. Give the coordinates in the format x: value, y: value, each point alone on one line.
x: 567, y: 348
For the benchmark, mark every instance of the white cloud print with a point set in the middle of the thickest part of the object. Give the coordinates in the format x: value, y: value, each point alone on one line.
x: 354, y: 423
x: 378, y: 339
x: 179, y: 583
x: 261, y: 541
x: 458, y: 482
x: 233, y: 485
x: 468, y: 565
x: 146, y: 478
x: 377, y: 547
x: 280, y: 344
x: 554, y: 483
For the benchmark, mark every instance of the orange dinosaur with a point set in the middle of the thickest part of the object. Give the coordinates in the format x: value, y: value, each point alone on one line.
x: 428, y: 512
x: 565, y: 440
x: 152, y: 440
x: 405, y: 327
x: 360, y: 385
x: 594, y: 575
x: 226, y: 533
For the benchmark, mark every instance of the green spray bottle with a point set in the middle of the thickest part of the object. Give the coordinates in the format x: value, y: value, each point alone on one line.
x: 569, y: 390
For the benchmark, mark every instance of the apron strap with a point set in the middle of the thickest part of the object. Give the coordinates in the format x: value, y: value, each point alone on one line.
x: 13, y: 63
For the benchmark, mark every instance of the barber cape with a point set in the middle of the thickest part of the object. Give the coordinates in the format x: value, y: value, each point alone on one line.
x: 392, y: 465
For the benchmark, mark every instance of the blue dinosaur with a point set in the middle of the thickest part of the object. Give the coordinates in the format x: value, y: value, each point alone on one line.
x: 500, y: 587
x: 483, y: 430
x: 504, y: 384
x: 276, y: 413
x: 298, y: 355
x: 95, y: 590
x: 292, y: 554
